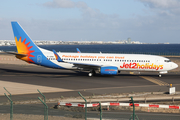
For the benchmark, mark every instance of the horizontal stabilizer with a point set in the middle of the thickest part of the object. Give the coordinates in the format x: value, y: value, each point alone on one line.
x: 15, y: 53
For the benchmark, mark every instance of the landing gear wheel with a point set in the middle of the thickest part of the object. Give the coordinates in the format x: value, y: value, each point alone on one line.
x: 159, y: 75
x: 90, y: 74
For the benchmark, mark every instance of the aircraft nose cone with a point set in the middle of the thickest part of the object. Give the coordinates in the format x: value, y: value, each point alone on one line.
x: 174, y: 65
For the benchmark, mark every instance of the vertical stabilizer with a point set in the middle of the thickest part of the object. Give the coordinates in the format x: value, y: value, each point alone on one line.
x: 24, y: 43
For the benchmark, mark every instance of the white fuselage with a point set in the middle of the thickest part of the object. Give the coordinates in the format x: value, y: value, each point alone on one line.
x: 131, y: 62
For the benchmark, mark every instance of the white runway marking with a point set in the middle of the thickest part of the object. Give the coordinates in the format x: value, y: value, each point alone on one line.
x: 21, y: 88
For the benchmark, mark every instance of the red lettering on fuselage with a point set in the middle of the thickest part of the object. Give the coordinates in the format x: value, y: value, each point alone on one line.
x: 141, y: 66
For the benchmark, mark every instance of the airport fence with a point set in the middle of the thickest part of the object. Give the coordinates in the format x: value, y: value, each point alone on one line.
x: 41, y: 109
x: 25, y: 109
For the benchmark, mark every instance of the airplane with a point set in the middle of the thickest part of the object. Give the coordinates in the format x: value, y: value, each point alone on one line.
x: 102, y: 63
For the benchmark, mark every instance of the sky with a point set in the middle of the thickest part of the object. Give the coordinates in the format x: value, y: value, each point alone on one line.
x: 147, y: 21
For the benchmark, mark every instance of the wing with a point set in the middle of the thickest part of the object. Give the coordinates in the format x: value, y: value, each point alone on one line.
x: 86, y: 66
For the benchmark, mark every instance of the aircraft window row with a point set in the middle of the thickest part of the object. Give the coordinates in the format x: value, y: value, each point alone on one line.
x: 107, y: 59
x: 71, y: 59
x: 132, y: 60
x: 81, y: 59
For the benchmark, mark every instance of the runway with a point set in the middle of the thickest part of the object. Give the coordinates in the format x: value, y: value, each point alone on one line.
x: 24, y: 80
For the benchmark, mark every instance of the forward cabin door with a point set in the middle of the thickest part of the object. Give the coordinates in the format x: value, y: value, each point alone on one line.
x: 157, y: 62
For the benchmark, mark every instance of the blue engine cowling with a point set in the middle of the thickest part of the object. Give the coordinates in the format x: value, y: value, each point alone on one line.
x: 109, y: 70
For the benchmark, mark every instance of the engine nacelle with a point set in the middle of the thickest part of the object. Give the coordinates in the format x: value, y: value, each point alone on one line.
x: 109, y: 70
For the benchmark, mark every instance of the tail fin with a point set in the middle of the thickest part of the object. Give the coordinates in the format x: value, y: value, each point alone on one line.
x: 78, y: 51
x: 23, y: 43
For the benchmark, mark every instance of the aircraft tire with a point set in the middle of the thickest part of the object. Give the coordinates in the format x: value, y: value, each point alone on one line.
x: 90, y: 74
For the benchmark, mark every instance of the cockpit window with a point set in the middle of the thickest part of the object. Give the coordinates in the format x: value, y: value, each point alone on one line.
x: 167, y: 60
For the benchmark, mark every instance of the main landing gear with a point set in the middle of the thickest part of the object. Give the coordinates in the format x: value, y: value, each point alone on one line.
x: 159, y: 75
x: 91, y: 73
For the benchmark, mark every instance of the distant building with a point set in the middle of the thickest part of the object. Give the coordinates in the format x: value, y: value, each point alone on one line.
x: 129, y: 41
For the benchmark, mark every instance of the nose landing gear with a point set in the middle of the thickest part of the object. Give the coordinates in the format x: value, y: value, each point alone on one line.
x: 159, y: 75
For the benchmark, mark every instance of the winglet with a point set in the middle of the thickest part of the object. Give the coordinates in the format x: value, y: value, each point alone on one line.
x: 57, y: 57
x: 78, y: 50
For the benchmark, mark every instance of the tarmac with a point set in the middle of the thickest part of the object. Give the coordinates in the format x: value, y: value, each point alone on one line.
x: 23, y: 79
